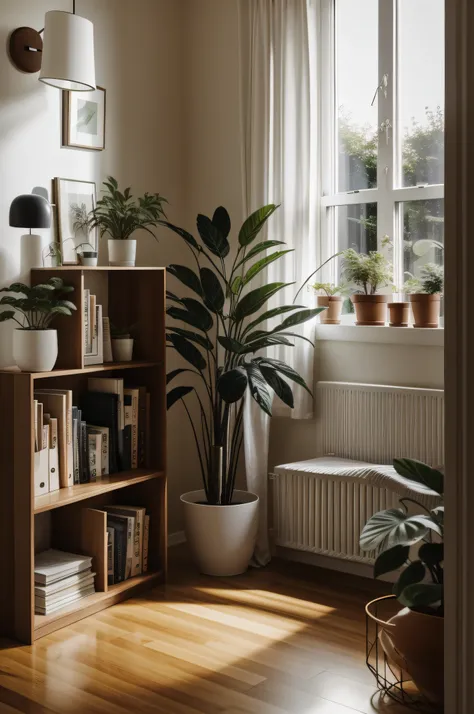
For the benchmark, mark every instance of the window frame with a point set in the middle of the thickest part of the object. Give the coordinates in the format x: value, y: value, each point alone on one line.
x: 389, y: 194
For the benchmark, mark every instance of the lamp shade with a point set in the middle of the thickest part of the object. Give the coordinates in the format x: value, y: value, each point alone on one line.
x: 68, y: 52
x: 30, y: 211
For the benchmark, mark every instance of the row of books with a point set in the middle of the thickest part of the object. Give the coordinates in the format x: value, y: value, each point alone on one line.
x: 128, y: 529
x: 60, y: 579
x: 97, y: 336
x: 106, y: 434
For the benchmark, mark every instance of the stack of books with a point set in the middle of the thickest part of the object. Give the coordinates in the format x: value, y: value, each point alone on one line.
x: 128, y: 530
x: 97, y: 344
x: 60, y: 579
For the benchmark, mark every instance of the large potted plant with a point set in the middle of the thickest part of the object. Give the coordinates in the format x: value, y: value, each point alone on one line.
x: 368, y: 272
x: 120, y: 215
x: 331, y: 297
x: 35, y: 344
x: 223, y: 331
x: 412, y: 543
x: 425, y: 295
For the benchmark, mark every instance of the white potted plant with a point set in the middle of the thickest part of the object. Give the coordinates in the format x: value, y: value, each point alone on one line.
x: 219, y: 337
x: 119, y: 215
x: 368, y: 273
x: 35, y: 344
x: 87, y: 255
x: 122, y: 343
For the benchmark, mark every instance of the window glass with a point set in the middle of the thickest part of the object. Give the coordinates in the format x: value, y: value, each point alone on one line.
x: 423, y: 234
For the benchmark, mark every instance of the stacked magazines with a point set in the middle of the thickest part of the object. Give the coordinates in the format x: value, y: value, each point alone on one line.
x: 61, y: 579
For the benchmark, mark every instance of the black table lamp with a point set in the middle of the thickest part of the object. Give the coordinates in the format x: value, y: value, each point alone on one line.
x: 30, y: 211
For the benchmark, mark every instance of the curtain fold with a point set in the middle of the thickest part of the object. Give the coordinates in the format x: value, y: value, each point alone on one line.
x: 278, y: 59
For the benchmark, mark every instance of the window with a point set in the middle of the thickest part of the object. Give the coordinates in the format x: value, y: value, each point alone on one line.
x: 383, y: 130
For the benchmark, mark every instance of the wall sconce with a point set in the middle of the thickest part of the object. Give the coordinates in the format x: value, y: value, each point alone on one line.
x: 66, y: 54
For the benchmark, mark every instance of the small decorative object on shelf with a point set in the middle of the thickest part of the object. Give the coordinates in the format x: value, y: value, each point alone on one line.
x: 368, y: 272
x: 425, y: 295
x: 87, y: 257
x: 122, y: 343
x: 120, y: 215
x: 331, y: 300
x: 399, y: 313
x: 413, y: 638
x: 35, y: 345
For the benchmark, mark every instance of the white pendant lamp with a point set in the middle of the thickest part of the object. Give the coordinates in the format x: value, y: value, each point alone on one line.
x: 65, y: 54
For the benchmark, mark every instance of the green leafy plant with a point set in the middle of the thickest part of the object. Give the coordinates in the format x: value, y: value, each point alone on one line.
x: 368, y: 271
x: 430, y: 282
x: 329, y: 289
x: 120, y: 215
x: 394, y: 533
x: 224, y: 327
x: 37, y: 306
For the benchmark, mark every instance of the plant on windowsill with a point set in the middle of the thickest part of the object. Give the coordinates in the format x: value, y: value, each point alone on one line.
x: 222, y: 333
x: 120, y: 215
x: 332, y: 298
x: 368, y: 272
x: 425, y: 295
x: 413, y: 639
x: 35, y: 344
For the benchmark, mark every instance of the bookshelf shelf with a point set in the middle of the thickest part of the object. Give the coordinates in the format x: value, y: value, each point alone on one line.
x: 66, y: 496
x: 45, y: 624
x: 106, y: 367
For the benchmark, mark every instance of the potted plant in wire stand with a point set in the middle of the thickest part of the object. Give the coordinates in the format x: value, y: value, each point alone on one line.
x: 35, y: 344
x: 332, y: 298
x: 119, y: 215
x: 220, y: 332
x: 369, y: 272
x: 425, y: 295
x: 413, y: 544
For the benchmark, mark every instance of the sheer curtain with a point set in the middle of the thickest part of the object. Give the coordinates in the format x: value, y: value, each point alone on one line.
x: 278, y: 57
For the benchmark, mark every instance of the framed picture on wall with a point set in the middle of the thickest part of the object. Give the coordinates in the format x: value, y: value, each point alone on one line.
x: 74, y: 201
x: 84, y: 119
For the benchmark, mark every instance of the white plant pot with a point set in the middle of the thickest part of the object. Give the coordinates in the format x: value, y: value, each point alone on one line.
x: 221, y: 538
x: 122, y: 252
x: 90, y: 262
x: 35, y: 350
x: 122, y: 349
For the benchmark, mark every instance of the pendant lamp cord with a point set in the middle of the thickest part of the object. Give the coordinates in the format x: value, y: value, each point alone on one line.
x: 73, y: 7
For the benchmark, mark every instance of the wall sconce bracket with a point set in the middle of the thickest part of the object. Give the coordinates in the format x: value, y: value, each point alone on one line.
x: 25, y: 49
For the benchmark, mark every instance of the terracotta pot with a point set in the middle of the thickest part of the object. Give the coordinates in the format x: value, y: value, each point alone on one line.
x: 370, y: 309
x: 331, y: 316
x: 416, y: 644
x: 426, y: 309
x: 399, y: 313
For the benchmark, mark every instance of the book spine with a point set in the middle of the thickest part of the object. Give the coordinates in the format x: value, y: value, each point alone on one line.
x: 93, y: 326
x: 135, y: 429
x: 141, y: 426
x: 53, y: 423
x: 86, y: 321
x: 94, y: 456
x: 146, y: 538
x: 147, y: 432
x: 105, y: 453
x: 110, y: 555
x: 107, y: 340
x: 130, y: 539
x: 84, y: 454
x: 35, y: 408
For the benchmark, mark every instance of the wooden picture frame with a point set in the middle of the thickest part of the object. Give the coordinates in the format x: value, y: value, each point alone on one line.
x: 73, y: 195
x: 84, y: 119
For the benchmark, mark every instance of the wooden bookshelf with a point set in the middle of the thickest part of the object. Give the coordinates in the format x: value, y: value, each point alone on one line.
x: 131, y: 296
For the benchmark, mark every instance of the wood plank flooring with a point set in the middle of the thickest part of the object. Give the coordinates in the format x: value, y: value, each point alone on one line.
x: 285, y: 639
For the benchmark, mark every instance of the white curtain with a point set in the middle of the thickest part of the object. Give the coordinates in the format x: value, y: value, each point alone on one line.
x: 280, y: 142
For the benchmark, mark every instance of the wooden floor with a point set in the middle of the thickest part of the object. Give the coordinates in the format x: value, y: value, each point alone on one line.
x: 288, y: 638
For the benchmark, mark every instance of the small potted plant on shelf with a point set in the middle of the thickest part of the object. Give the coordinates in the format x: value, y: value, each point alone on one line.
x: 332, y: 299
x: 221, y: 336
x: 425, y: 295
x: 120, y: 215
x: 413, y: 545
x: 369, y: 273
x: 35, y: 344
x: 122, y: 343
x: 87, y: 257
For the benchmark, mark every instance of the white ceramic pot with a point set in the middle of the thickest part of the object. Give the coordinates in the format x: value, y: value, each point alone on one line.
x: 122, y: 252
x: 85, y: 260
x: 35, y: 350
x: 122, y: 349
x: 221, y: 538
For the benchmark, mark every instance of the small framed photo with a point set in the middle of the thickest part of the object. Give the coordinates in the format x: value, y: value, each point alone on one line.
x: 74, y: 201
x: 84, y: 119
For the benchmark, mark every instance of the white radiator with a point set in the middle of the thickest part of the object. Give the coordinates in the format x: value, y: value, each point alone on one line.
x: 363, y: 422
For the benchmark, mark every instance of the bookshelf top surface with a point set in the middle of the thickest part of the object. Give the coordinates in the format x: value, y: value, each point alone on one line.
x: 106, y: 367
x: 98, y: 268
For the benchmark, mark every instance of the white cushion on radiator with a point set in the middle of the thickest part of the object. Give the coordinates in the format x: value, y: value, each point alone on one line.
x: 377, y: 475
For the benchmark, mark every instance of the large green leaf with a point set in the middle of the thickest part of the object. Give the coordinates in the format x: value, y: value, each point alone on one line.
x: 414, y: 573
x: 395, y: 527
x: 257, y: 249
x: 175, y: 394
x: 256, y: 299
x: 281, y: 388
x: 173, y: 297
x: 7, y: 315
x: 276, y: 312
x: 254, y: 224
x: 298, y: 318
x: 188, y: 351
x: 419, y: 472
x: 221, y: 220
x: 232, y: 385
x: 431, y: 553
x: 265, y: 342
x: 175, y: 373
x: 214, y: 297
x: 231, y: 345
x: 16, y: 288
x: 212, y: 236
x: 236, y: 284
x: 190, y: 240
x: 201, y: 340
x: 421, y: 595
x: 391, y: 559
x: 202, y: 313
x: 258, y: 387
x: 187, y: 276
x: 285, y: 369
x: 260, y: 265
x: 186, y: 316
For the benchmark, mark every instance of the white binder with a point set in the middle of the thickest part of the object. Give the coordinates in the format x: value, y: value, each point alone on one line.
x: 53, y: 456
x: 41, y: 467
